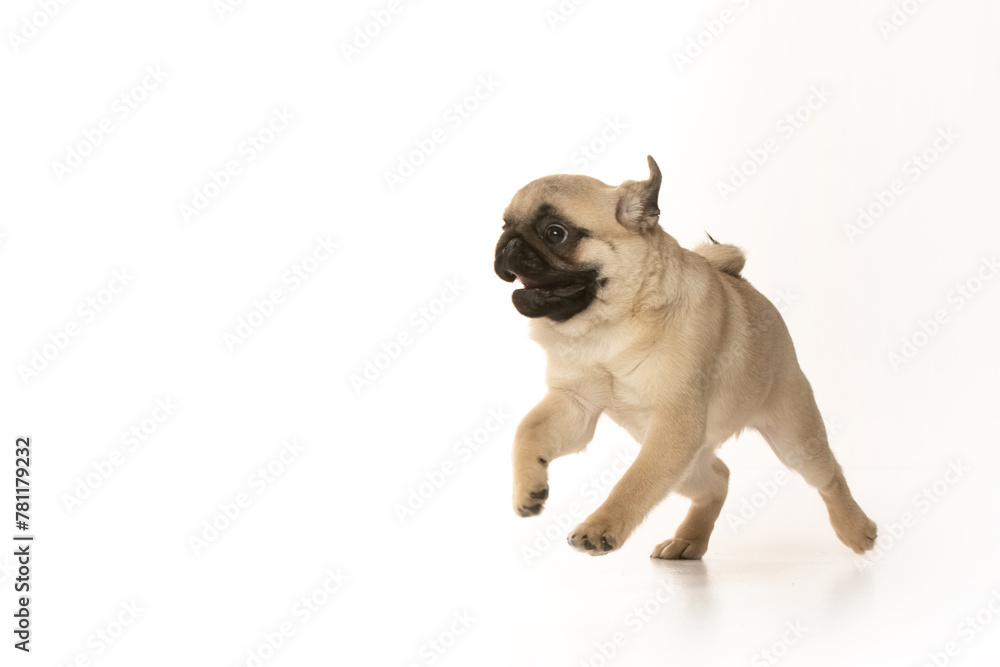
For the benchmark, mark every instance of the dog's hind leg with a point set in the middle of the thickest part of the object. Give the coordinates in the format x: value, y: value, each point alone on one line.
x: 706, y: 484
x: 791, y: 424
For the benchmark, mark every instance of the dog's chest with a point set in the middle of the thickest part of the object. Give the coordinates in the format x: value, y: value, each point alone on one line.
x: 611, y: 370
x: 627, y: 400
x: 619, y: 387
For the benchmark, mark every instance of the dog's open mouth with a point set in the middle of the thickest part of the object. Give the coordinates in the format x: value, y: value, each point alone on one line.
x: 558, y: 299
x: 542, y: 289
x: 547, y: 291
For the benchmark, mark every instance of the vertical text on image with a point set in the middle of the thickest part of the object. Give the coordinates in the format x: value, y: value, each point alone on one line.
x: 22, y: 542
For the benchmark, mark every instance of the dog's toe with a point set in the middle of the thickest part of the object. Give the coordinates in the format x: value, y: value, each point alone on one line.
x: 678, y: 549
x: 595, y: 538
x: 532, y: 502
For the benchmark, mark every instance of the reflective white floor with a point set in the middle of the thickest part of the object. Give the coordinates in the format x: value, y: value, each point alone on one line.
x: 776, y: 586
x: 466, y: 582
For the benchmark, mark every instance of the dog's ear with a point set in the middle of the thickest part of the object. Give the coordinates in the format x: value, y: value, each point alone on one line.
x: 637, y: 200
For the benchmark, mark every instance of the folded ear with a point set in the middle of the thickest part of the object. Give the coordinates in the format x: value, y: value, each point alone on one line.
x: 637, y: 208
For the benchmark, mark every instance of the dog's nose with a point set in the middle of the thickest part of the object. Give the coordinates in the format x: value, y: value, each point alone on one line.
x: 503, y: 253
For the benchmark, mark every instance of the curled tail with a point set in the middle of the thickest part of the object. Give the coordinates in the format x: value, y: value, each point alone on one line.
x: 726, y: 258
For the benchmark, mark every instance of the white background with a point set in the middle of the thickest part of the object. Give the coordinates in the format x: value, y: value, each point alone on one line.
x: 851, y: 300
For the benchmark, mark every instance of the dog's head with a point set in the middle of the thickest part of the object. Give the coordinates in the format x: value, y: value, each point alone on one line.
x: 567, y: 238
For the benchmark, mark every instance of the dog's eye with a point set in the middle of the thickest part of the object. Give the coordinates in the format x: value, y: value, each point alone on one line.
x: 555, y: 234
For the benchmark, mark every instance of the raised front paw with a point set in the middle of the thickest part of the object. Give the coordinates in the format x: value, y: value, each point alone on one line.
x: 531, y: 489
x: 596, y: 536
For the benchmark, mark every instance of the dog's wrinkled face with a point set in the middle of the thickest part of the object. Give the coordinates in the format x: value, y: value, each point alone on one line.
x: 541, y: 252
x: 550, y: 230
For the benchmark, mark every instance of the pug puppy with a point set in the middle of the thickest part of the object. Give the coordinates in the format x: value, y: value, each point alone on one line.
x: 672, y: 344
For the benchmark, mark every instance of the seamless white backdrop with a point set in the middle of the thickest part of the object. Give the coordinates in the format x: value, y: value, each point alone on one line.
x: 279, y: 137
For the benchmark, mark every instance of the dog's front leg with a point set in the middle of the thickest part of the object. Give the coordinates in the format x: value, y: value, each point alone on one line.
x: 562, y: 423
x: 667, y: 451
